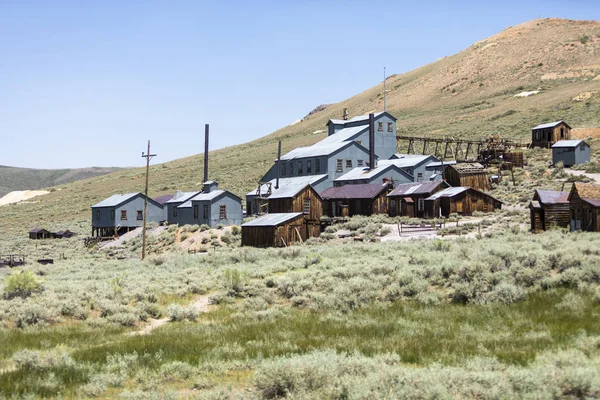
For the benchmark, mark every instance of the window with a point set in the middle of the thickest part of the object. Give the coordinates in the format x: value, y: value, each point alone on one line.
x: 348, y: 163
x: 140, y: 215
x: 421, y: 204
x: 299, y: 167
x: 283, y: 171
x: 222, y: 211
x: 582, y: 148
x: 420, y: 177
x: 309, y: 167
x: 174, y: 211
x: 380, y: 126
x: 195, y: 211
x: 339, y: 165
x: 306, y: 206
x: 390, y: 127
x: 123, y: 215
x: 98, y: 214
x: 206, y: 211
x: 291, y: 169
x: 360, y: 163
x: 317, y: 166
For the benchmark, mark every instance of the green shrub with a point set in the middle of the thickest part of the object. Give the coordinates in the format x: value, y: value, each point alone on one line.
x: 220, y: 226
x: 21, y: 284
x: 204, y: 227
x: 234, y: 280
x: 236, y: 230
x: 177, y: 312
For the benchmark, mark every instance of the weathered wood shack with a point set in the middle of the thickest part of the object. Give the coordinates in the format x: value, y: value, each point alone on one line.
x: 408, y: 200
x: 349, y: 200
x: 545, y: 135
x: 275, y: 230
x: 63, y: 234
x: 570, y: 152
x: 472, y: 175
x: 461, y: 200
x: 584, y: 202
x: 39, y: 233
x: 299, y: 199
x: 549, y: 208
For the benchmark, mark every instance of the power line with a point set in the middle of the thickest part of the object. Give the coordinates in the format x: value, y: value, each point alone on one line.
x: 148, y: 157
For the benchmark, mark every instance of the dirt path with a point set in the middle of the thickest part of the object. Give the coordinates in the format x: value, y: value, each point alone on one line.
x: 576, y: 172
x: 200, y: 304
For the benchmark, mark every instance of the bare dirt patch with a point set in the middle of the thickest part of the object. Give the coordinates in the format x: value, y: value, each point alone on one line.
x: 584, y: 133
x: 21, y: 195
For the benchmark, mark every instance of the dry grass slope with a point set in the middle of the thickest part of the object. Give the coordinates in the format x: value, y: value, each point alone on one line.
x: 469, y: 94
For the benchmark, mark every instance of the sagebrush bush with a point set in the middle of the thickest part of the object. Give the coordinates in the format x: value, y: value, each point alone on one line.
x: 21, y: 284
x: 177, y: 312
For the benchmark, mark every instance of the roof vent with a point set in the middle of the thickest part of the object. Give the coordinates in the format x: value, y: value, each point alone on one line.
x: 345, y: 116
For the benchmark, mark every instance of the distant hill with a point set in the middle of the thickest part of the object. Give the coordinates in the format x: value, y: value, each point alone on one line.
x: 13, y: 178
x: 477, y: 92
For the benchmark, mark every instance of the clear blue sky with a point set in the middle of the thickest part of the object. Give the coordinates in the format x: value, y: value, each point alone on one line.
x: 87, y: 83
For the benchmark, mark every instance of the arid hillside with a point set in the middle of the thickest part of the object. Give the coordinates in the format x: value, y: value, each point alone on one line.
x: 540, y: 71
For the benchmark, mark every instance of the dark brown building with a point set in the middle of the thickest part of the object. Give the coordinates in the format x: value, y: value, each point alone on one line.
x: 39, y: 233
x: 349, y: 200
x: 461, y: 200
x: 275, y: 230
x: 472, y: 175
x: 299, y: 199
x: 545, y: 135
x: 584, y: 202
x: 408, y: 199
x: 549, y: 208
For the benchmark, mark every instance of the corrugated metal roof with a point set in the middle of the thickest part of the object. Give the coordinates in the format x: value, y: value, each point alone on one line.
x: 207, y: 196
x: 469, y: 167
x: 163, y: 199
x: 567, y: 143
x: 449, y: 192
x: 415, y: 188
x: 547, y: 125
x: 181, y: 197
x: 316, y: 150
x: 358, y: 174
x: 272, y: 219
x: 436, y: 164
x: 300, y: 181
x: 364, y: 191
x: 343, y: 135
x: 552, y: 196
x: 354, y: 119
x: 115, y: 200
x: 404, y: 162
x: 535, y: 204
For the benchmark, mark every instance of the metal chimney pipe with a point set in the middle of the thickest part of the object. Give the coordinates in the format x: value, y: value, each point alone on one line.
x: 371, y: 141
x: 205, y: 153
x: 278, y: 164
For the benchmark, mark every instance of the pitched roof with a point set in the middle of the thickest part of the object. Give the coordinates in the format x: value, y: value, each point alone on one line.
x: 405, y: 162
x: 38, y: 230
x: 296, y: 181
x: 449, y: 192
x: 116, y: 199
x: 163, y: 199
x: 343, y: 135
x: 416, y: 188
x: 588, y: 192
x: 364, y: 191
x: 469, y: 167
x: 273, y: 219
x: 568, y: 143
x: 552, y: 196
x: 364, y: 117
x: 436, y: 164
x: 549, y: 125
x: 364, y: 173
x: 182, y: 197
x: 316, y: 150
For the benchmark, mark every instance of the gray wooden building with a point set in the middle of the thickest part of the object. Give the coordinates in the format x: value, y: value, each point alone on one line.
x: 178, y: 199
x: 212, y: 207
x: 123, y: 212
x: 570, y: 152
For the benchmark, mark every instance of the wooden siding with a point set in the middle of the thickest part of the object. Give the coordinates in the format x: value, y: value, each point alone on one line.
x: 351, y: 207
x: 584, y: 216
x: 293, y: 231
x: 296, y: 204
x: 465, y: 203
x: 475, y: 179
x: 548, y: 136
x: 535, y: 216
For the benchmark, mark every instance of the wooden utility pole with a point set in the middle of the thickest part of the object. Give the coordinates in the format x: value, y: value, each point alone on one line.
x: 147, y: 156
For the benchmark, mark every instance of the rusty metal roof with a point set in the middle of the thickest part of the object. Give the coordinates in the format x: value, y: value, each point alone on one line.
x: 163, y: 199
x: 552, y: 196
x: 364, y: 191
x: 416, y: 188
x: 469, y: 168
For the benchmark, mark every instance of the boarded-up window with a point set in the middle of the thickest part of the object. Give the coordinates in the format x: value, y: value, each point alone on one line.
x: 98, y: 214
x: 283, y: 171
x: 206, y: 211
x: 195, y: 211
x: 317, y: 166
x: 306, y: 206
x: 339, y: 165
x: 174, y: 211
x: 123, y: 215
x: 459, y: 206
x: 222, y: 211
x: 291, y: 169
x: 112, y: 215
x: 420, y: 177
x: 140, y: 215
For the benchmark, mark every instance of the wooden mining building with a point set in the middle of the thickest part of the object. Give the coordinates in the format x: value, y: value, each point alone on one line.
x: 472, y: 175
x: 549, y: 208
x: 584, y: 201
